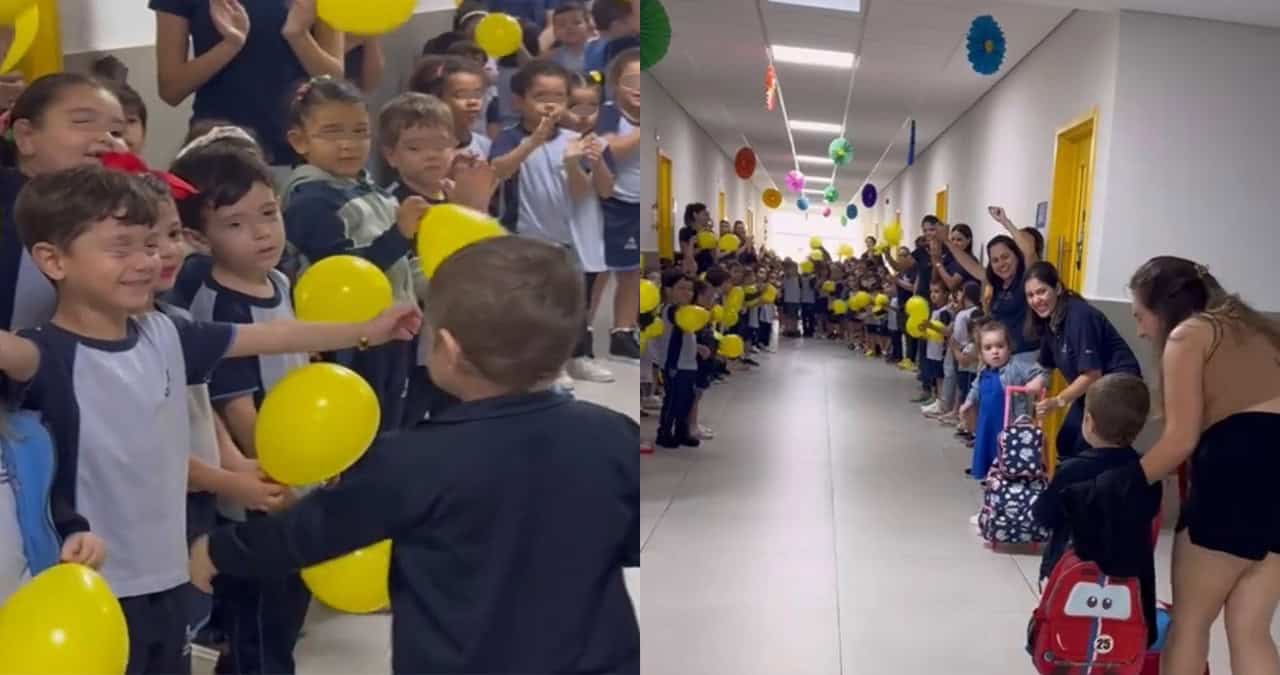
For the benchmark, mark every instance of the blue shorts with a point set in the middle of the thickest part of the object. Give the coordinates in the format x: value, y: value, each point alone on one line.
x: 621, y: 235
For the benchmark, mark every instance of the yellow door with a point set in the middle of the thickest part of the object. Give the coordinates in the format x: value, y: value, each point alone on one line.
x: 940, y: 203
x: 1068, y: 227
x: 720, y: 211
x: 666, y: 235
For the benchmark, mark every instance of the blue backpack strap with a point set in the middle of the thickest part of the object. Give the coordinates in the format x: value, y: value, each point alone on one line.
x: 29, y: 457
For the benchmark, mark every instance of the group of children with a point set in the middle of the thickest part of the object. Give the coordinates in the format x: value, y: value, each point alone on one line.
x: 146, y: 315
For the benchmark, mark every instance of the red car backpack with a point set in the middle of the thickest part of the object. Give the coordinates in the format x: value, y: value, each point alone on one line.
x: 1087, y: 623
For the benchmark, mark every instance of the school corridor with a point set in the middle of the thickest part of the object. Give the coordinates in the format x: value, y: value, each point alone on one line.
x: 825, y: 531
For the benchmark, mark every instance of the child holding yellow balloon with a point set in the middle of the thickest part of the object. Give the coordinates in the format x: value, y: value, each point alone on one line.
x: 516, y: 481
x: 677, y: 355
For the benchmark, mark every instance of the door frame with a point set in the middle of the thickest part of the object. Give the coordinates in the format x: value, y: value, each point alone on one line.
x: 666, y: 208
x: 941, y: 203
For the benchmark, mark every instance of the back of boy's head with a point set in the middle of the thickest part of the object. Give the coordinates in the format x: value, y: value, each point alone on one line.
x: 1119, y: 404
x: 716, y: 276
x: 605, y: 12
x: 410, y: 110
x: 513, y: 304
x: 57, y: 208
x: 215, y: 131
x: 318, y: 91
x: 523, y: 80
x: 701, y: 287
x: 222, y: 174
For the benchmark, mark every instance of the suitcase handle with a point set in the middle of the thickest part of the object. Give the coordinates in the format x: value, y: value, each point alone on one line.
x: 1008, y: 399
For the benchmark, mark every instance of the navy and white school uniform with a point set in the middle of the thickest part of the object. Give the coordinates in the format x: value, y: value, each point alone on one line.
x: 326, y: 215
x: 27, y: 297
x: 118, y: 413
x: 622, y: 209
x: 262, y: 618
x: 677, y: 352
x: 791, y: 296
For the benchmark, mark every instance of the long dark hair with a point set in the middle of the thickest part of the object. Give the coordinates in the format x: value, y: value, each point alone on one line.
x: 1176, y: 289
x: 995, y: 281
x: 691, y: 212
x: 1047, y: 274
x: 968, y: 234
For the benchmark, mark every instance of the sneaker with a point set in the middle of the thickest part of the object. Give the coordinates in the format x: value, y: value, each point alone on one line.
x: 906, y: 364
x: 706, y: 433
x: 668, y: 443
x: 973, y: 520
x: 949, y: 418
x: 563, y: 381
x: 750, y: 362
x: 624, y: 345
x: 651, y: 403
x: 932, y: 409
x: 689, y: 442
x: 587, y: 370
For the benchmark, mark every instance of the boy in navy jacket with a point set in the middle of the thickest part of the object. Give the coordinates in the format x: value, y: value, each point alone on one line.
x: 511, y: 514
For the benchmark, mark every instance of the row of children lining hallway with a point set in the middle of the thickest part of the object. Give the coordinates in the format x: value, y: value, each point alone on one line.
x: 983, y: 342
x: 116, y: 280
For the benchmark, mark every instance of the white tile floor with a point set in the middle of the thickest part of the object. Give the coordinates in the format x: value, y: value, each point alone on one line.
x: 824, y: 531
x: 339, y: 644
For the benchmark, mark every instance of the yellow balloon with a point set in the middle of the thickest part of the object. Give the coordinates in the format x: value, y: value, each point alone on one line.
x: 845, y: 251
x: 729, y: 243
x: 893, y: 233
x: 735, y: 297
x: 25, y: 27
x: 918, y: 307
x: 815, y: 242
x: 860, y: 300
x: 933, y: 336
x: 731, y: 318
x: 649, y: 296
x: 447, y: 228
x: 356, y: 583
x: 915, y: 326
x: 770, y: 294
x: 10, y: 9
x: 839, y: 307
x: 816, y: 256
x: 717, y: 314
x: 315, y: 423
x: 828, y: 286
x: 65, y: 620
x: 361, y: 17
x: 341, y: 289
x: 882, y: 300
x: 499, y: 35
x: 692, y: 318
x: 655, y: 329
x: 706, y: 240
x: 730, y: 346
x: 937, y: 326
x: 806, y: 267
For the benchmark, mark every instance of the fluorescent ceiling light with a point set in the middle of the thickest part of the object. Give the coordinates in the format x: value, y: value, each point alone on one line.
x: 837, y: 5
x: 824, y: 127
x: 814, y: 159
x: 812, y: 57
x: 814, y: 192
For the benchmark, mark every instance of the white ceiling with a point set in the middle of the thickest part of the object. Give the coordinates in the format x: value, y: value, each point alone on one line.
x: 913, y: 64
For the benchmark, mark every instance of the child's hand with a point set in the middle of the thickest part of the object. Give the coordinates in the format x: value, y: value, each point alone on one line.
x: 1035, y: 387
x: 84, y: 548
x: 201, y: 565
x: 410, y: 214
x: 302, y: 16
x: 474, y: 181
x: 544, y: 130
x: 704, y: 351
x: 573, y: 151
x: 399, y: 322
x: 256, y: 492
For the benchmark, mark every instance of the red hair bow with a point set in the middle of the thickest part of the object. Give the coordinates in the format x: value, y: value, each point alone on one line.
x: 133, y: 165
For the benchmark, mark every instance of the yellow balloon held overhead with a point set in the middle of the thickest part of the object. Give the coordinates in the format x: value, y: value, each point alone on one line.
x: 10, y: 9
x: 447, y: 228
x: 839, y: 307
x: 730, y: 243
x: 356, y: 583
x: 860, y: 300
x: 705, y: 240
x: 362, y: 17
x: 649, y: 296
x: 845, y: 251
x: 315, y: 423
x: 806, y: 267
x: 499, y: 35
x: 692, y: 318
x: 730, y: 347
x: 25, y: 27
x: 815, y: 242
x: 341, y: 289
x: 66, y: 620
x: 816, y: 255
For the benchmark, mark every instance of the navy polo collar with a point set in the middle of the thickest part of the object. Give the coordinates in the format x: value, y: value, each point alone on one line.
x: 502, y: 406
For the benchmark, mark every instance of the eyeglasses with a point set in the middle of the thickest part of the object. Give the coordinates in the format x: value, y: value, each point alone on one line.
x: 584, y: 109
x: 629, y: 81
x: 335, y: 136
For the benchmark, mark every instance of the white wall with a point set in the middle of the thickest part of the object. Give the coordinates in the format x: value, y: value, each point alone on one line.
x: 699, y: 168
x: 1001, y: 150
x: 99, y: 25
x: 1195, y: 165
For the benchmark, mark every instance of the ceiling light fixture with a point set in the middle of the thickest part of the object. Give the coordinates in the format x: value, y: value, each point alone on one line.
x: 822, y: 127
x: 804, y: 56
x: 814, y: 159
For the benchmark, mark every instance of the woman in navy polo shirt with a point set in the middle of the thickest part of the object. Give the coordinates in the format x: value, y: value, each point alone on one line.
x: 1008, y: 257
x: 1077, y: 340
x: 945, y: 265
x: 242, y: 59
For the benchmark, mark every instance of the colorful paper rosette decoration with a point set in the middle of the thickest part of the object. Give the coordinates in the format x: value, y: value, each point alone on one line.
x: 986, y: 45
x: 795, y: 181
x: 840, y: 151
x: 843, y: 221
x: 655, y: 33
x: 826, y: 212
x: 771, y: 198
x: 830, y: 195
x: 802, y: 204
x: 868, y: 195
x: 851, y: 211
x: 770, y: 87
x: 744, y: 163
